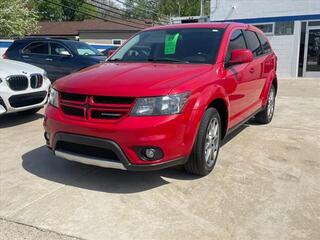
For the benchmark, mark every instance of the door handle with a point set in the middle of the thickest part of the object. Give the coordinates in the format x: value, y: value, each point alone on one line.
x: 251, y: 70
x: 48, y: 59
x: 25, y: 56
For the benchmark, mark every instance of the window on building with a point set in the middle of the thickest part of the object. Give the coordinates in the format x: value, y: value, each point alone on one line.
x: 267, y: 28
x: 37, y: 48
x: 284, y: 28
x: 264, y: 43
x: 236, y: 42
x: 116, y: 41
x: 253, y: 43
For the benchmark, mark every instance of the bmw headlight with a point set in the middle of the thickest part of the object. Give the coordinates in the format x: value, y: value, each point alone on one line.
x: 165, y: 105
x: 54, y: 97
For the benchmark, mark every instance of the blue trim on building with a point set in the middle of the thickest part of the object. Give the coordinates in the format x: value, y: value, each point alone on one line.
x: 5, y: 44
x: 275, y: 19
x: 101, y: 47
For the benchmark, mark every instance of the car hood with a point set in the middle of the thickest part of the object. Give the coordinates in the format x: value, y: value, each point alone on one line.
x: 130, y: 79
x: 10, y: 67
x: 98, y: 59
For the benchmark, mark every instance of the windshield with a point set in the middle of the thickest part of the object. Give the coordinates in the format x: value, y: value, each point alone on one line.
x: 84, y: 49
x: 188, y: 45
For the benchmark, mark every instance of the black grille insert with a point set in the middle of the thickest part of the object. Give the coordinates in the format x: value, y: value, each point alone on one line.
x: 73, y: 97
x: 28, y: 99
x: 2, y: 103
x: 18, y: 82
x: 36, y: 80
x: 86, y: 150
x: 78, y: 112
x: 113, y: 100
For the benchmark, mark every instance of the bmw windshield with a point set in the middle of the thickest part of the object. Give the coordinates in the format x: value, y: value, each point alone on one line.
x: 190, y: 45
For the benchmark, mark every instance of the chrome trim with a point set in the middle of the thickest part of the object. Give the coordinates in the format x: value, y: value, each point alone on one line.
x: 90, y: 160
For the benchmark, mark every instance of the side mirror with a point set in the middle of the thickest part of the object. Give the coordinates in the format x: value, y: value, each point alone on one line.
x: 110, y: 52
x: 240, y: 56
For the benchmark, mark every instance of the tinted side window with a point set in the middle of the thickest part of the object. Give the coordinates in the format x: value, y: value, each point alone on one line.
x: 37, y: 47
x: 236, y: 42
x: 253, y: 43
x: 58, y: 49
x: 264, y: 43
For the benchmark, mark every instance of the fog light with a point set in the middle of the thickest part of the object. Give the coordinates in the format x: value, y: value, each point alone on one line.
x: 150, y: 153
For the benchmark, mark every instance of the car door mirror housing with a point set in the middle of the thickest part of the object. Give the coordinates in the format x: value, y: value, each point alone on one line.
x: 239, y: 56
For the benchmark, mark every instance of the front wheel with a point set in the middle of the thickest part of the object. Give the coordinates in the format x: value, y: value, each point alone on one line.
x: 206, y: 147
x: 266, y: 115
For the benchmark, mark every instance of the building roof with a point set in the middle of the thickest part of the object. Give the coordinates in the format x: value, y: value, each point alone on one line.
x: 74, y: 27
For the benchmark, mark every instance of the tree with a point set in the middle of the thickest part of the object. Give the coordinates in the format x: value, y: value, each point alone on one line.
x: 156, y: 10
x: 64, y: 10
x: 16, y: 19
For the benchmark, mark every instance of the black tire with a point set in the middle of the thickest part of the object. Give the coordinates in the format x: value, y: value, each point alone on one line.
x: 264, y: 117
x: 30, y: 111
x: 197, y: 163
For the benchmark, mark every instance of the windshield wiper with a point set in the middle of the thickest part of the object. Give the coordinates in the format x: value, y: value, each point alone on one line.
x: 166, y: 60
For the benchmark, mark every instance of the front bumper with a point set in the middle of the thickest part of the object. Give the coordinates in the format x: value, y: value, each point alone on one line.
x: 174, y: 135
x: 120, y: 161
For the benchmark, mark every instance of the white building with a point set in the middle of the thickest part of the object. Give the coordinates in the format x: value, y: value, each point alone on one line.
x: 292, y: 26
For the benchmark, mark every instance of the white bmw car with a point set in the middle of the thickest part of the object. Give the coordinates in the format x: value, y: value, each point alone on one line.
x: 23, y: 87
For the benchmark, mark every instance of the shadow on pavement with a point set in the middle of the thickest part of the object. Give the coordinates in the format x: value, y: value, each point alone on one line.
x: 42, y: 163
x: 14, y: 119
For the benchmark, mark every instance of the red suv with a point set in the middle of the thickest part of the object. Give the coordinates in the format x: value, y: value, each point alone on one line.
x: 167, y: 97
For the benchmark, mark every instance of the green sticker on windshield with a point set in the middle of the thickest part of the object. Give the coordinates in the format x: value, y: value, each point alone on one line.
x: 171, y: 43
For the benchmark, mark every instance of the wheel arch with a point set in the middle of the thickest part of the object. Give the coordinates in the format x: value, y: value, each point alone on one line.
x: 221, y: 106
x: 275, y: 84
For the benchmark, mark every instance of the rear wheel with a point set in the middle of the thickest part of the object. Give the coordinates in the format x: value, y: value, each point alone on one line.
x: 206, y: 148
x: 266, y: 115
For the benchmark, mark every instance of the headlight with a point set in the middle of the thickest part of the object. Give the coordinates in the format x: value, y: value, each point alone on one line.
x: 166, y: 105
x: 54, y: 97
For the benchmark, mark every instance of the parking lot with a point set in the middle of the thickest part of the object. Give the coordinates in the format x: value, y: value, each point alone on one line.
x: 265, y: 184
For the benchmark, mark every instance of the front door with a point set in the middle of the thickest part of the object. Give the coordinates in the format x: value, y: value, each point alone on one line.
x: 312, y: 53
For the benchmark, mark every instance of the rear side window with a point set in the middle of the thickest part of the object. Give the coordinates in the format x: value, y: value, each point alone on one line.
x: 264, y: 43
x: 236, y: 42
x: 253, y: 43
x: 37, y: 48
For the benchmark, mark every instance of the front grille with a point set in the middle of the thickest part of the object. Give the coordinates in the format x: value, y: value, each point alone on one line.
x: 36, y: 80
x: 18, y: 82
x: 28, y: 99
x: 81, y: 149
x: 95, y: 108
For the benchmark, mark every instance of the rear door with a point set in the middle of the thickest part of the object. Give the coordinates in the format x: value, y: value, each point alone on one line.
x: 37, y: 53
x: 242, y: 78
x: 256, y: 68
x: 269, y: 59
